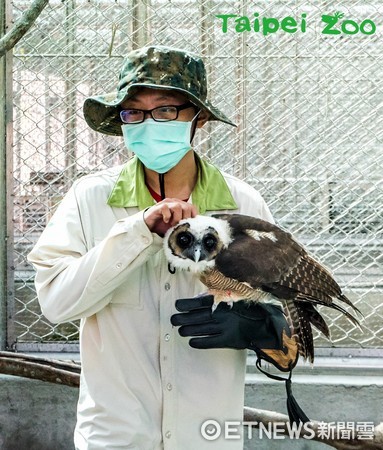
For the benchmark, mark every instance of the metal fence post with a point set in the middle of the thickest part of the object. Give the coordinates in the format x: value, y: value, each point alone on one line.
x: 240, y: 101
x: 6, y: 278
x: 70, y: 93
x: 140, y: 22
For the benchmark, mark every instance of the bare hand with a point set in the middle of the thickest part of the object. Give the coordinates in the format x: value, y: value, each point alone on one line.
x: 167, y: 213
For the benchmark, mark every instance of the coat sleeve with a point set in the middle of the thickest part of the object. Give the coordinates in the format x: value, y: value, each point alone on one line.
x: 72, y: 281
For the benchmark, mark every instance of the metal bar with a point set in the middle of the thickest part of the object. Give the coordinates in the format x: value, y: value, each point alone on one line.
x: 106, y: 56
x: 56, y: 347
x: 240, y: 102
x: 140, y: 23
x: 340, y: 358
x: 207, y: 46
x: 330, y: 352
x: 70, y: 95
x: 3, y: 193
x: 6, y: 235
x: 344, y: 352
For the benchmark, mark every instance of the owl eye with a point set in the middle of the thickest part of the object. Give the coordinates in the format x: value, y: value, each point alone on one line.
x: 184, y: 240
x: 209, y: 242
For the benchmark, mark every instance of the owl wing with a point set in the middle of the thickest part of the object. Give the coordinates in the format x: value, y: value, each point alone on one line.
x: 267, y: 257
x: 260, y: 253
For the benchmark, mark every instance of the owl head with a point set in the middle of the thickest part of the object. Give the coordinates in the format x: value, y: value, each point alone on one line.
x: 193, y: 244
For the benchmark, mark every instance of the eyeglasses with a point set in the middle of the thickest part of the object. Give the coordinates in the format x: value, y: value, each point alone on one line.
x: 159, y: 114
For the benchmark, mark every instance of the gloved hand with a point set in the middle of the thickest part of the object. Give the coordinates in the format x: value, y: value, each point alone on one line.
x: 257, y: 326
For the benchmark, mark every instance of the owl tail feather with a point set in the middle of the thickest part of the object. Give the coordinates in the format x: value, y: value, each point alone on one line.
x: 295, y: 412
x: 313, y: 316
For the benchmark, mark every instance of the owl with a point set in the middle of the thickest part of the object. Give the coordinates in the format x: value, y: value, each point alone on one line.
x: 239, y: 257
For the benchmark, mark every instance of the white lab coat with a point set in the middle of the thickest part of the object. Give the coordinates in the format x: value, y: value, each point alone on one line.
x: 142, y: 386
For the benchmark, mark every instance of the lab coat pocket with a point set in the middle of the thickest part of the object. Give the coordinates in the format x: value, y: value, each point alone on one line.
x: 128, y: 292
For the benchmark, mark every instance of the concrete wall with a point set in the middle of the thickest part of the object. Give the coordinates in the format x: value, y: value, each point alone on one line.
x: 40, y: 416
x: 35, y: 415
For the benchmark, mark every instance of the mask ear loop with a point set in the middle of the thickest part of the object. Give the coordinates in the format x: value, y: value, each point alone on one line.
x: 194, y: 125
x: 161, y: 177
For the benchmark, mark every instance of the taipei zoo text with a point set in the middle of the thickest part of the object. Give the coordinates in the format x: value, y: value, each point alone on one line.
x: 331, y: 24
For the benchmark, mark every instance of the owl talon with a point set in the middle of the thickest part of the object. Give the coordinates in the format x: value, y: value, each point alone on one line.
x: 230, y: 303
x: 214, y: 307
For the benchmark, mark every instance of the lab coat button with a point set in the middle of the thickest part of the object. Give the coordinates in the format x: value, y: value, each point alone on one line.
x: 168, y: 434
x: 167, y: 286
x: 169, y: 387
x: 145, y: 239
x: 167, y: 337
x: 118, y: 266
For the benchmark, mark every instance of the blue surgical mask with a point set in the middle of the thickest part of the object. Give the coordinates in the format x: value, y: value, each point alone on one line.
x: 158, y: 145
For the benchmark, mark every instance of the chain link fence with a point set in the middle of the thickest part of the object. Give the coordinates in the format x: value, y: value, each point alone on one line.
x: 310, y: 129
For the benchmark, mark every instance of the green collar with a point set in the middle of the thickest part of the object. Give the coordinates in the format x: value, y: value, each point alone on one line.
x: 211, y: 193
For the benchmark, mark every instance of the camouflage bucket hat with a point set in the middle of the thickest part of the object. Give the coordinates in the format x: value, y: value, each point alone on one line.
x: 154, y: 67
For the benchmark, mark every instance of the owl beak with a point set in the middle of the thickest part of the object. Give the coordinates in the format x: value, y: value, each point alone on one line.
x: 197, y: 254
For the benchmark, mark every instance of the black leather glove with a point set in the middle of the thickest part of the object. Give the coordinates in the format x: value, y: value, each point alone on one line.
x: 257, y: 326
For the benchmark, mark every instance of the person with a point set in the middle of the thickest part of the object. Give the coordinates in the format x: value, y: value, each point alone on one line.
x: 100, y: 259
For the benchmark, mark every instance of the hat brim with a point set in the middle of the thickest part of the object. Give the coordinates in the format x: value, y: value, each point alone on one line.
x: 102, y: 112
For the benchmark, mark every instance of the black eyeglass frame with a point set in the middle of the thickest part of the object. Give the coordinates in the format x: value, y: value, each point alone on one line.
x: 150, y: 111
